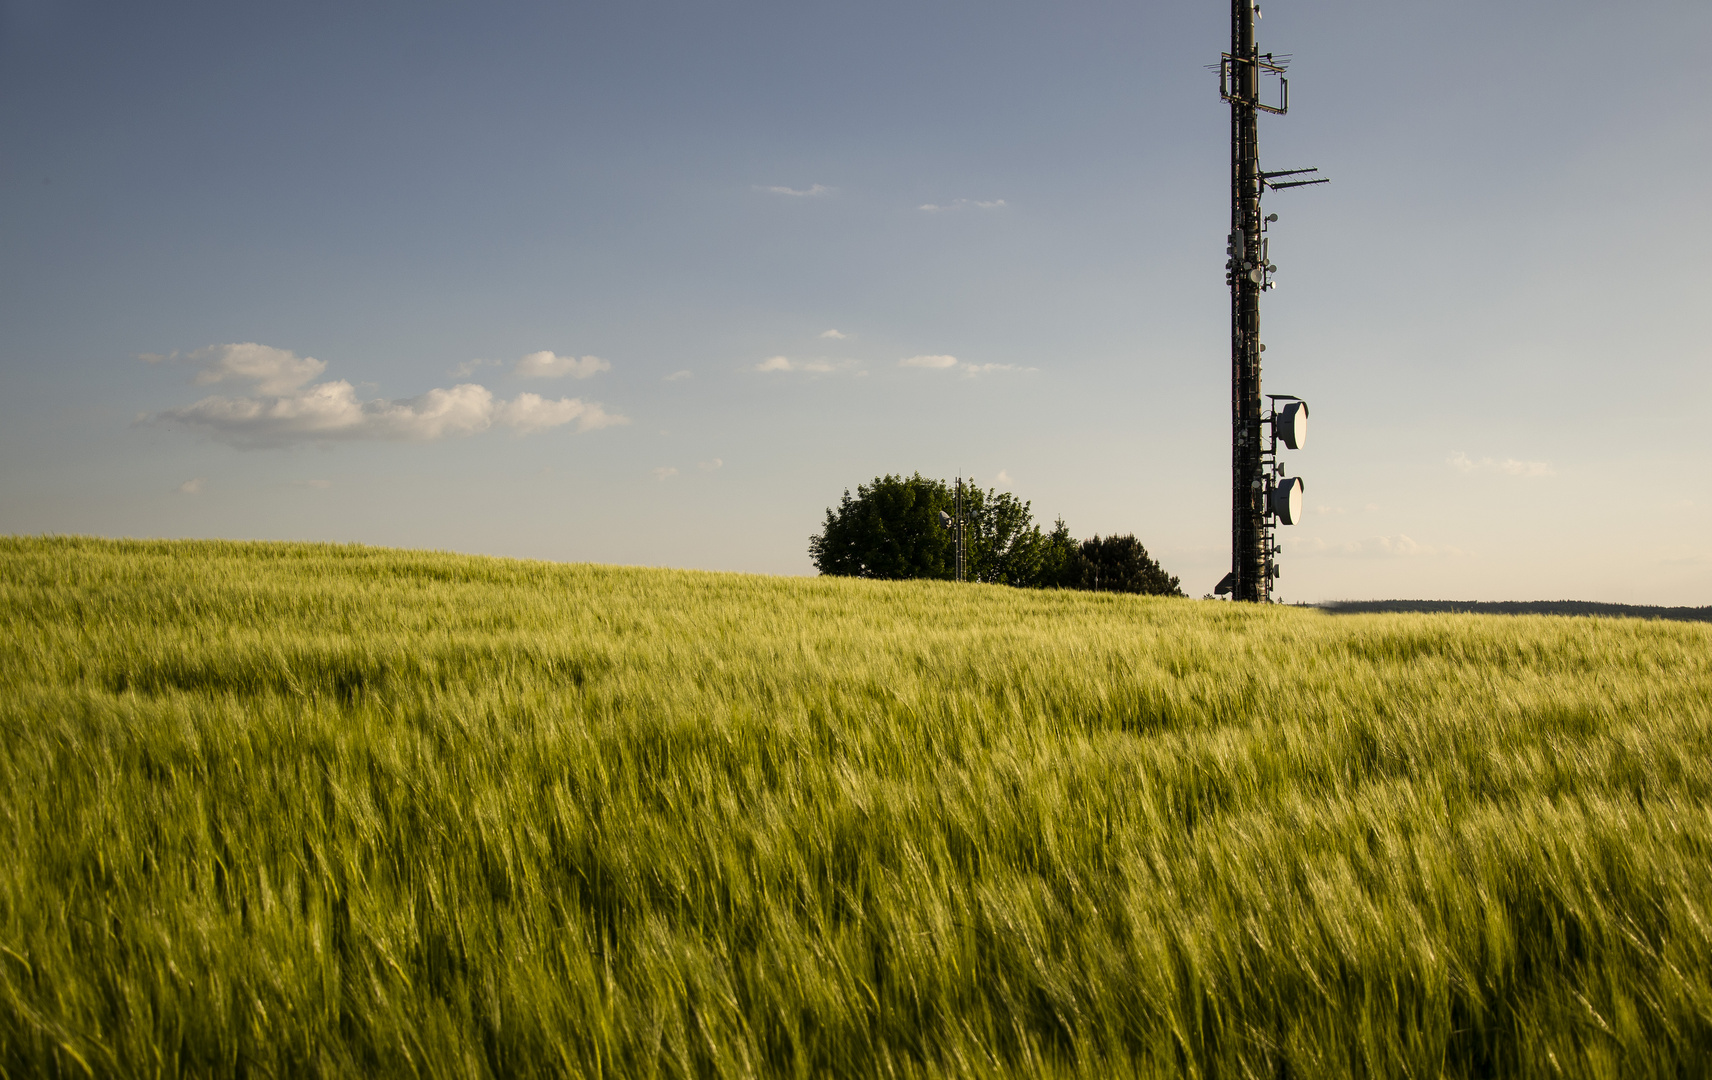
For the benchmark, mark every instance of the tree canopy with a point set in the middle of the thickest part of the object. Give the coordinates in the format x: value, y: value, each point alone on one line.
x: 889, y: 530
x: 1121, y: 564
x: 892, y: 529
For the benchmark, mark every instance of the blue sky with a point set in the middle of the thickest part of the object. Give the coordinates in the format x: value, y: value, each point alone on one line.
x: 518, y: 278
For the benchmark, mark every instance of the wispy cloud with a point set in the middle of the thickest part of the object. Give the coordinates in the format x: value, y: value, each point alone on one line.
x: 709, y: 466
x: 192, y: 487
x: 680, y: 376
x: 549, y: 365
x: 836, y: 335
x: 288, y: 409
x: 812, y: 191
x: 470, y: 367
x: 785, y: 363
x: 949, y: 363
x: 665, y: 472
x: 963, y: 204
x: 1004, y: 478
x: 1461, y: 462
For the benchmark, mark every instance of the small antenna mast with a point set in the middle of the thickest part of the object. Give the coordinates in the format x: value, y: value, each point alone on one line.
x: 1259, y: 492
x: 959, y: 534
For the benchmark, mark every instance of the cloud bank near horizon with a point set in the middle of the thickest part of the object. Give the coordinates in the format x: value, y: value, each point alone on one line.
x: 288, y: 408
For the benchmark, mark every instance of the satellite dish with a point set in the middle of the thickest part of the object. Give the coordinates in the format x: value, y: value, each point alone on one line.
x: 1291, y: 424
x: 1286, y: 500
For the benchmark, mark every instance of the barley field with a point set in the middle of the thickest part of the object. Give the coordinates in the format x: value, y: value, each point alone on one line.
x: 317, y: 810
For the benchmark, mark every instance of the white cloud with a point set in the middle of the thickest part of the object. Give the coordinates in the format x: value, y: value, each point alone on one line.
x: 929, y: 361
x: 192, y: 487
x: 709, y: 466
x: 547, y: 365
x: 785, y: 363
x: 274, y: 371
x: 284, y: 412
x: 837, y: 335
x: 1003, y: 478
x: 470, y: 367
x: 807, y: 192
x: 529, y: 413
x: 1461, y: 462
x: 961, y: 204
x: 665, y: 472
x: 679, y: 376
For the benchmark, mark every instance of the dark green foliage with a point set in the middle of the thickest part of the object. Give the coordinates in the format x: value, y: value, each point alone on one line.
x: 1061, y: 562
x: 1004, y: 545
x: 1121, y: 564
x: 1521, y: 607
x: 890, y: 530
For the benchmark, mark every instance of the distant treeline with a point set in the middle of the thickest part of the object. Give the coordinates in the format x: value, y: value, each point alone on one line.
x: 1523, y: 607
x: 896, y: 528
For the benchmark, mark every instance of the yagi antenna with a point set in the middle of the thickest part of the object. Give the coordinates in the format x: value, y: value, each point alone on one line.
x: 1261, y: 495
x: 1267, y: 181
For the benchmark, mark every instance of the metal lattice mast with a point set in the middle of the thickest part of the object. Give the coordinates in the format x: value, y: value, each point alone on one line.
x: 1254, y: 465
x: 1248, y: 562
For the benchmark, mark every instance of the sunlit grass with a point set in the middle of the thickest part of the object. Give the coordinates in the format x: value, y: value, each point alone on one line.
x: 296, y: 809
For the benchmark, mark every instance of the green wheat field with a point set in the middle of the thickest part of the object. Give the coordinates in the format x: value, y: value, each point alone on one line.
x: 317, y: 810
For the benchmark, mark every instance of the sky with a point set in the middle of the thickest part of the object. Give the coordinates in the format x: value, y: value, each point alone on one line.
x: 653, y: 283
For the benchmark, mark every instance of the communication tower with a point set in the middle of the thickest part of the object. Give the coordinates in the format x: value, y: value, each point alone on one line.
x: 1261, y: 495
x: 955, y: 522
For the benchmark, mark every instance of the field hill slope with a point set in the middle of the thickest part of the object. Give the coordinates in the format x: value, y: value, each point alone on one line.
x: 281, y: 809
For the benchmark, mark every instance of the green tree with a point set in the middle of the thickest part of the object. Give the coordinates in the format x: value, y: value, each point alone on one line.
x: 1121, y: 564
x: 891, y: 529
x: 1061, y: 564
x: 1005, y: 547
